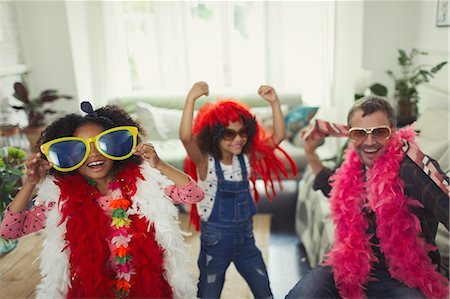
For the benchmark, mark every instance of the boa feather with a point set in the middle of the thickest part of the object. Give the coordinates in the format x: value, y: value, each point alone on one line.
x: 54, y: 262
x: 167, y: 233
x: 87, y: 227
x: 397, y: 228
x: 158, y: 246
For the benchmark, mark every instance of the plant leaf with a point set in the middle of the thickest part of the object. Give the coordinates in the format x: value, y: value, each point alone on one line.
x: 49, y: 111
x: 438, y: 67
x: 48, y: 98
x: 378, y: 89
x: 48, y: 91
x: 20, y: 92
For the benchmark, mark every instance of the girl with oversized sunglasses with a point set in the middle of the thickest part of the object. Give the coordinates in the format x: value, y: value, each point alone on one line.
x: 227, y: 148
x: 103, y: 201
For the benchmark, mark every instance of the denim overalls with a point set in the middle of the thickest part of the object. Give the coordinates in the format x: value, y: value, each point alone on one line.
x: 227, y: 237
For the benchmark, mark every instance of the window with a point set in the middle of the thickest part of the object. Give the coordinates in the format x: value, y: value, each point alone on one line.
x: 231, y: 45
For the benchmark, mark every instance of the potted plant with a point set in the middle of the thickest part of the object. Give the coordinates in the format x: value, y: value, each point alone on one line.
x: 35, y: 110
x: 410, y: 77
x: 11, y: 171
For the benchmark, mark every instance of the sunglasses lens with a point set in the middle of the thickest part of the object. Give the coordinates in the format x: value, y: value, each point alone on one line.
x: 228, y: 134
x: 358, y: 134
x: 66, y: 154
x: 381, y: 133
x: 117, y: 144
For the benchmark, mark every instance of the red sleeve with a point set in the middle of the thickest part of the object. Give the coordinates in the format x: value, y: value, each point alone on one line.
x: 189, y: 193
x: 17, y: 224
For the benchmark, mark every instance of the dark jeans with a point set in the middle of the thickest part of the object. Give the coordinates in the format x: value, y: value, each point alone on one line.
x: 319, y: 283
x: 221, y: 245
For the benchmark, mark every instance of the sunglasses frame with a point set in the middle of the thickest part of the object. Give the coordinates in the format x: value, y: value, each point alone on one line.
x: 369, y: 131
x: 45, y: 148
x: 243, y: 133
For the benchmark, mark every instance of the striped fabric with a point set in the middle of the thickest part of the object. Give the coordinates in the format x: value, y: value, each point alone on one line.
x: 425, y: 164
x: 324, y: 128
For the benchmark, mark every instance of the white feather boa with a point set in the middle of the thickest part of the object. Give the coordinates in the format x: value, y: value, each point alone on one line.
x: 152, y: 203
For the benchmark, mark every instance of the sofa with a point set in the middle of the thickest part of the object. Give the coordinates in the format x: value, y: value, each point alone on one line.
x: 313, y: 224
x: 160, y: 115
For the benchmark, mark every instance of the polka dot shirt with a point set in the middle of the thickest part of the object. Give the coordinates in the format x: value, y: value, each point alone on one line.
x: 231, y: 172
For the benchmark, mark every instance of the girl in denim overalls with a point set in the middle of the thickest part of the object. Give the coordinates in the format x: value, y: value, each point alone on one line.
x: 226, y: 149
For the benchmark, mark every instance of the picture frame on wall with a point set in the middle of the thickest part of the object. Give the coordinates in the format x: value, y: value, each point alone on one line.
x: 442, y: 17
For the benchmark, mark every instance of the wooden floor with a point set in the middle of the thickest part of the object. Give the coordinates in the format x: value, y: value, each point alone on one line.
x: 19, y: 269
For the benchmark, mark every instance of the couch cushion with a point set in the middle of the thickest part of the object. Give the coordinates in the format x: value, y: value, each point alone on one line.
x: 264, y: 115
x: 298, y: 118
x: 171, y: 151
x: 433, y: 137
x: 161, y: 123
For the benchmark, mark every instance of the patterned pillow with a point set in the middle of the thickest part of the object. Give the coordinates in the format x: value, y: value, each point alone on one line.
x: 298, y: 118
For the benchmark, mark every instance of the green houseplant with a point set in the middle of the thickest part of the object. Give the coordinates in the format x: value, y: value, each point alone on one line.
x: 411, y: 76
x: 35, y: 109
x: 11, y: 171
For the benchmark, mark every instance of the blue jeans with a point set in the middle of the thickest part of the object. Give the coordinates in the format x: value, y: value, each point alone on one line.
x: 319, y: 283
x: 222, y: 244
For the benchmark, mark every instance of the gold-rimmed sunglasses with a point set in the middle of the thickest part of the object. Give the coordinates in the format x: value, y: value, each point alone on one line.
x: 379, y: 133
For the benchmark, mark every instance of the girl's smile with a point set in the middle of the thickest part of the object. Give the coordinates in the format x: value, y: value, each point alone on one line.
x: 234, y: 146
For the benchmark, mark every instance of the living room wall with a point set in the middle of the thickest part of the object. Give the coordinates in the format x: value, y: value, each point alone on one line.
x: 392, y: 25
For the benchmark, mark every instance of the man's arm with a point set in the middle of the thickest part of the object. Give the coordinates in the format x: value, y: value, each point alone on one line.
x: 420, y: 186
x: 321, y: 173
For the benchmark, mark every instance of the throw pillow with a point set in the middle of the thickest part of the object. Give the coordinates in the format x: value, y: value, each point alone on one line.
x: 298, y: 118
x: 264, y: 115
x: 160, y: 123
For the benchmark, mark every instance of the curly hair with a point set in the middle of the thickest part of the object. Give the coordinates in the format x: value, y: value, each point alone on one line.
x: 108, y: 117
x: 212, y: 118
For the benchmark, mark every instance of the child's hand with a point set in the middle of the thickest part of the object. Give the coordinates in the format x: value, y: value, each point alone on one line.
x: 198, y: 89
x: 147, y: 151
x: 36, y: 168
x: 268, y: 93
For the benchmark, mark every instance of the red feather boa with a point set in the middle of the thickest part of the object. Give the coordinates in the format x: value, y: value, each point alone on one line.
x: 87, y: 236
x: 397, y: 228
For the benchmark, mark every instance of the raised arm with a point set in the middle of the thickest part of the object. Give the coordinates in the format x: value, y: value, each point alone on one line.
x: 16, y: 220
x: 310, y: 145
x: 279, y: 130
x: 195, y: 154
x: 36, y: 169
x: 148, y: 153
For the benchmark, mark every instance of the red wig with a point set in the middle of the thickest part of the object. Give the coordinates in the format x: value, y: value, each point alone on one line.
x: 265, y: 164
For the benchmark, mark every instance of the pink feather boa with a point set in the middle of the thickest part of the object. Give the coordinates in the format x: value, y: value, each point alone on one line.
x: 397, y: 228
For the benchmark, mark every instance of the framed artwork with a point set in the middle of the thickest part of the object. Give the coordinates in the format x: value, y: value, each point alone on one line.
x: 442, y: 17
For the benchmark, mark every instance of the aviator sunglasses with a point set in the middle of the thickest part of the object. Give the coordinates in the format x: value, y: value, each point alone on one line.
x: 378, y: 133
x: 69, y: 153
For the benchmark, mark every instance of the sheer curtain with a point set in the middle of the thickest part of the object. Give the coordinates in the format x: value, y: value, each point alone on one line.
x: 161, y: 47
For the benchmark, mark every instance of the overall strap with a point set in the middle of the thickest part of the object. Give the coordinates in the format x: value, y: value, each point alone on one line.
x: 219, y: 171
x: 243, y: 167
